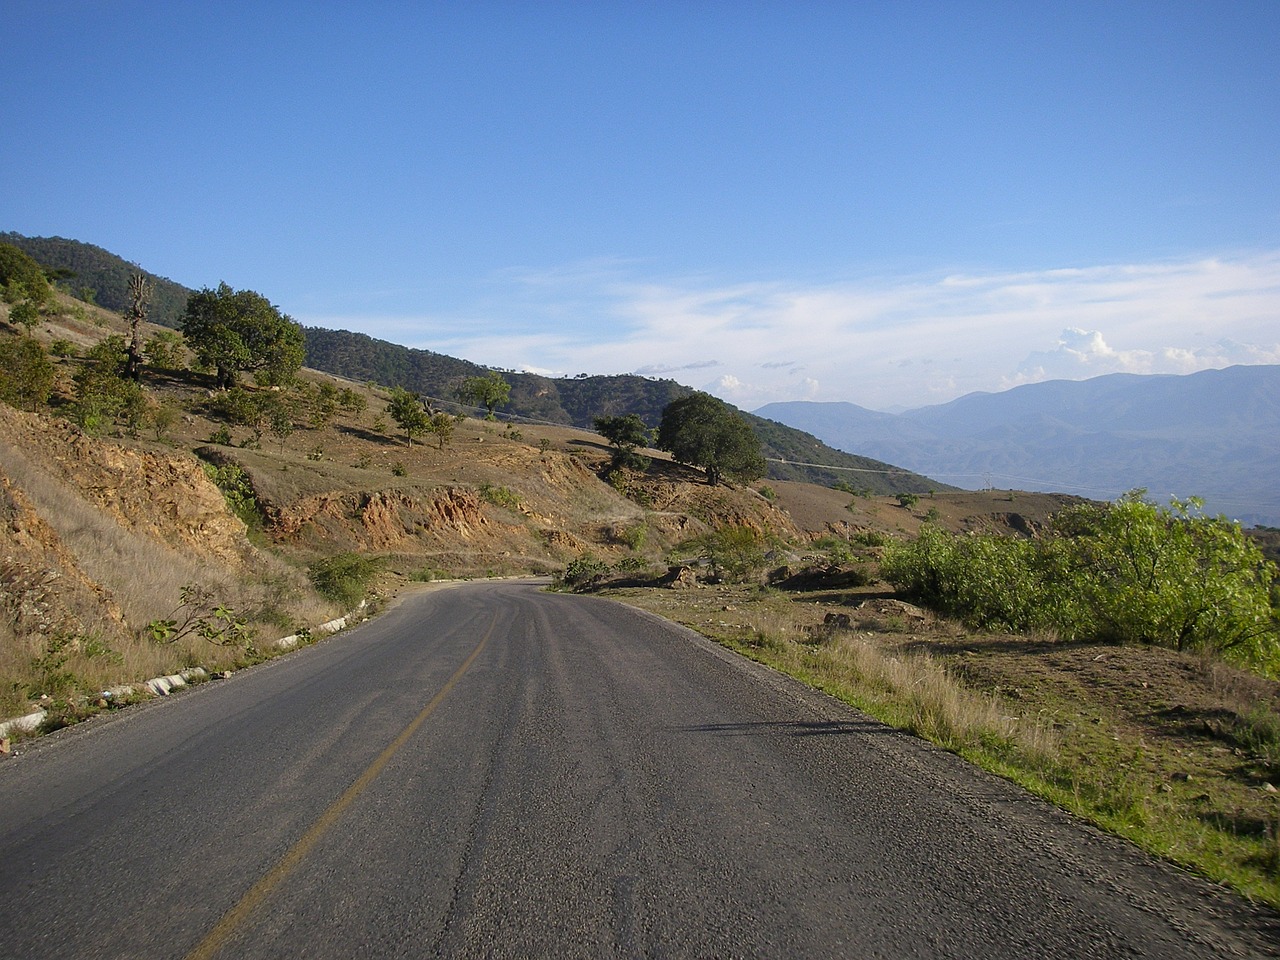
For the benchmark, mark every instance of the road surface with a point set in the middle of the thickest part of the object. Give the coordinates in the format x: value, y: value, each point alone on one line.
x: 489, y: 770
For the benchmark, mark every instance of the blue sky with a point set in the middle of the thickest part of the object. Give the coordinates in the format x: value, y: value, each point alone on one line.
x: 887, y: 203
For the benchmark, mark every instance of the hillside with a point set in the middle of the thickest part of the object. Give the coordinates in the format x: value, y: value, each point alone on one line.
x: 101, y: 277
x: 98, y: 276
x: 1210, y: 434
x: 793, y: 454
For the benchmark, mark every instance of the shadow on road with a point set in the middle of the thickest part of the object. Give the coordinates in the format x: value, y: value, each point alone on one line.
x: 794, y: 728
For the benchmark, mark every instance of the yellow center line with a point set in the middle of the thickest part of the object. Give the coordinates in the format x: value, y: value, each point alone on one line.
x: 217, y: 937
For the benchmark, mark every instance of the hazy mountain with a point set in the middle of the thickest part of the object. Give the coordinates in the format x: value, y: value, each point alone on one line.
x: 1214, y: 434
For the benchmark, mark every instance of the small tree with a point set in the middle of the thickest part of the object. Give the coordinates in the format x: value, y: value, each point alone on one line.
x: 489, y: 391
x: 241, y: 331
x: 626, y: 434
x: 407, y: 410
x: 25, y: 314
x: 704, y: 432
x: 441, y: 424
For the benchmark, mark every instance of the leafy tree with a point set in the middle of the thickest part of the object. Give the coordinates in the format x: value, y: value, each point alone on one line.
x: 279, y: 419
x: 351, y: 403
x: 489, y: 391
x: 321, y: 403
x: 26, y: 314
x: 22, y: 277
x: 704, y: 432
x: 626, y: 434
x: 407, y: 410
x: 26, y: 373
x: 234, y: 331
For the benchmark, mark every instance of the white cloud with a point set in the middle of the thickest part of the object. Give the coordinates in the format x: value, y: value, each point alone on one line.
x: 899, y: 341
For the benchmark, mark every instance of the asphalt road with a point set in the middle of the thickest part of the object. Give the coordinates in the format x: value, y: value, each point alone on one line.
x: 489, y: 770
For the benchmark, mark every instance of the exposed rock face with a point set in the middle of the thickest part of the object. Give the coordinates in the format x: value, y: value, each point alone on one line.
x: 166, y: 498
x: 383, y: 520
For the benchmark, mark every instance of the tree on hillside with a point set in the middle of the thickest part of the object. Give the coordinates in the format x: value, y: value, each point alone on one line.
x: 625, y: 434
x: 704, y: 432
x: 407, y: 410
x: 22, y: 277
x: 441, y: 424
x: 234, y: 331
x: 26, y: 373
x: 489, y: 391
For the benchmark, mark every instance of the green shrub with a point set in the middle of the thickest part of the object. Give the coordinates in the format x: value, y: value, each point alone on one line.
x: 582, y: 571
x: 343, y: 578
x: 26, y: 373
x: 736, y: 552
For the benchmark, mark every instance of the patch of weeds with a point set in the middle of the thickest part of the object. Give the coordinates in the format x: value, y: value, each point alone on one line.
x: 316, y: 454
x: 500, y: 496
x: 363, y: 462
x: 1258, y: 731
x: 93, y: 647
x: 221, y: 436
x: 633, y: 536
x: 428, y: 575
x: 398, y: 469
x: 237, y: 490
x: 51, y: 677
x: 64, y: 712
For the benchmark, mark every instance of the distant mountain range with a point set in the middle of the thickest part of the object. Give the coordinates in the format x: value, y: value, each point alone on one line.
x: 1213, y: 434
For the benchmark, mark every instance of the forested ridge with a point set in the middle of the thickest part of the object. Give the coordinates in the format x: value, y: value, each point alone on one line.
x: 99, y: 276
x: 577, y: 401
